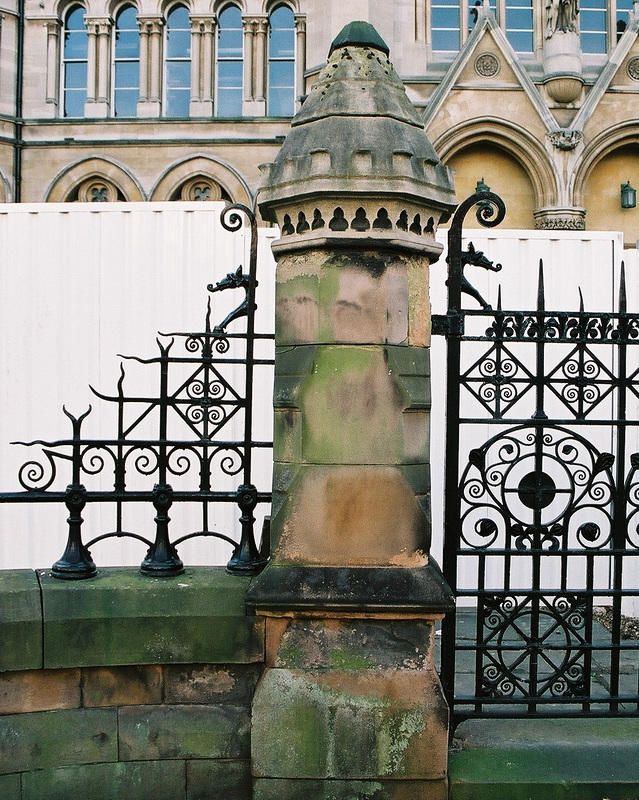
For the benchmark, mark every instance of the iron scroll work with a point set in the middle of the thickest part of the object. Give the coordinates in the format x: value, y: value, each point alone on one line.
x: 202, y: 437
x: 542, y: 502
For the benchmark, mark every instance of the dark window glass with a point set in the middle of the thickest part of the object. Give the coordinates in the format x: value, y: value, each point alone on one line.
x: 230, y: 65
x: 281, y: 63
x: 126, y: 63
x: 178, y: 62
x: 74, y: 68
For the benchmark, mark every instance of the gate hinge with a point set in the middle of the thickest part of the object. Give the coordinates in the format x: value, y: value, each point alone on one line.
x: 451, y: 324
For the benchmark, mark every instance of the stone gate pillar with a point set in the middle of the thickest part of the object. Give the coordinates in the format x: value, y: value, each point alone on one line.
x: 350, y: 705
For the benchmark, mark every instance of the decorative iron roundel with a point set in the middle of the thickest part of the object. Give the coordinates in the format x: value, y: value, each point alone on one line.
x: 633, y: 68
x: 487, y: 65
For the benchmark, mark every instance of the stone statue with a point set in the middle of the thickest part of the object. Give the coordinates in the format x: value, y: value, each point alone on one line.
x: 561, y: 15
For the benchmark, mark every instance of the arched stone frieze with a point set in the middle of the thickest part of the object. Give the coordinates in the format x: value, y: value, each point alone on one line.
x: 516, y: 142
x: 86, y: 174
x: 177, y: 177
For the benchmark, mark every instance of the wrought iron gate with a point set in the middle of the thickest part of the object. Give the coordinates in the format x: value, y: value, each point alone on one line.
x: 542, y: 500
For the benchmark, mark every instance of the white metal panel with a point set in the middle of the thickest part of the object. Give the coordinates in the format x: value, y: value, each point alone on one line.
x: 78, y: 285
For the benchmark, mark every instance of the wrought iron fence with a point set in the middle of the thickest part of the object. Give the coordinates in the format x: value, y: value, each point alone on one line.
x: 202, y: 424
x: 542, y: 501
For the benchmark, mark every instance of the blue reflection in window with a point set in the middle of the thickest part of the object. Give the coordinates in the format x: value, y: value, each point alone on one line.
x: 281, y: 63
x: 178, y: 63
x: 444, y: 23
x: 593, y: 21
x: 74, y: 67
x: 126, y: 63
x: 230, y: 64
x: 519, y: 25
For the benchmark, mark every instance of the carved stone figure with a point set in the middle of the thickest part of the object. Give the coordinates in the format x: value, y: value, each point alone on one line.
x: 561, y: 15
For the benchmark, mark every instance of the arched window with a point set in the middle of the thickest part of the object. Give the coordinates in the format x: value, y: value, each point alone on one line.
x: 593, y: 22
x: 178, y: 63
x: 281, y: 63
x: 230, y: 66
x: 126, y: 63
x: 519, y: 25
x: 74, y: 66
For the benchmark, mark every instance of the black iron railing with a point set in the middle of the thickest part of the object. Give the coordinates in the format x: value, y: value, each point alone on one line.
x: 202, y: 437
x: 542, y: 503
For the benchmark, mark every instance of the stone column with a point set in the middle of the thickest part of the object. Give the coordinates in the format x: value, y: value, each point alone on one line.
x: 103, y: 28
x: 261, y: 30
x: 300, y: 58
x: 149, y: 103
x: 350, y: 704
x: 98, y: 67
x: 202, y: 30
x: 53, y: 60
x: 92, y: 68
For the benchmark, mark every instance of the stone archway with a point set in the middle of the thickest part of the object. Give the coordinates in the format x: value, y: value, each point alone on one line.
x: 190, y: 179
x: 94, y: 179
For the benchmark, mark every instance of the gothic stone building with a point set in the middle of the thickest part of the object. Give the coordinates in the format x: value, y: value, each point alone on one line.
x: 137, y: 100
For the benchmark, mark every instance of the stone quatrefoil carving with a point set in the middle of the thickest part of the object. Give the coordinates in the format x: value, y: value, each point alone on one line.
x: 360, y: 222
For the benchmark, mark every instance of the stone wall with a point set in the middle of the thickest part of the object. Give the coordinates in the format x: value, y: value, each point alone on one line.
x: 126, y: 687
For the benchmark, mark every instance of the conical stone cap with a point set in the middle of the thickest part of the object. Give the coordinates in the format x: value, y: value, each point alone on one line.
x: 359, y: 138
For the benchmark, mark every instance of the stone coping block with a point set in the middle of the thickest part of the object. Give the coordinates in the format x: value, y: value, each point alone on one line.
x: 121, y: 618
x: 548, y: 759
x: 20, y: 620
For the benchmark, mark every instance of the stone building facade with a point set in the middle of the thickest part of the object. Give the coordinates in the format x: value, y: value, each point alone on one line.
x: 184, y: 99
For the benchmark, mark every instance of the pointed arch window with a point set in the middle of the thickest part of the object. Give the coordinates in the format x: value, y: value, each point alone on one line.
x: 126, y: 63
x: 74, y: 66
x: 281, y: 63
x: 230, y: 63
x: 178, y: 62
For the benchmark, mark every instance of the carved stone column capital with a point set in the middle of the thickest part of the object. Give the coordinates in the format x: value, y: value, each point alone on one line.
x: 203, y: 23
x: 150, y: 25
x: 300, y: 23
x: 98, y: 25
x: 53, y: 26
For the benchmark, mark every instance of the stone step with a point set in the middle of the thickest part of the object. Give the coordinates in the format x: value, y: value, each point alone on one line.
x: 545, y: 759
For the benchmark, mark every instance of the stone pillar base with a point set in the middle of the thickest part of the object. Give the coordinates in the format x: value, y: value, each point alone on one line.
x: 350, y: 706
x: 149, y: 108
x: 254, y: 108
x: 201, y: 108
x: 96, y: 109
